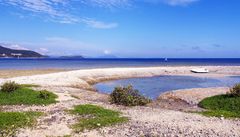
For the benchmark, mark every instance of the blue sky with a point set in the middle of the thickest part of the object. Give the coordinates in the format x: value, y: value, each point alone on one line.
x: 125, y: 28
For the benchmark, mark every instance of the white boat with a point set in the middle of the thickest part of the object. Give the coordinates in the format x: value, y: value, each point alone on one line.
x: 200, y: 70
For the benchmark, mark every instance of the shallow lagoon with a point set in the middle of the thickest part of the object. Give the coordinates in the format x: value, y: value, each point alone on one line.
x: 153, y: 86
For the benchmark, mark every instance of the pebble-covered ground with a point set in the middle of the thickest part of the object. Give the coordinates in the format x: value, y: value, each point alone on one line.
x: 166, y: 116
x: 144, y: 121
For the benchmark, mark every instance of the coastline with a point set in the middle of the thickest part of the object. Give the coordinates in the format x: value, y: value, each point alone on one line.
x: 84, y: 80
x: 10, y: 73
x: 104, y: 74
x: 75, y: 87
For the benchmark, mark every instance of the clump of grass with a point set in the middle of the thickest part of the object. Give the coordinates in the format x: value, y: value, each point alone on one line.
x: 27, y: 96
x: 10, y: 121
x: 92, y: 117
x: 9, y: 87
x: 222, y: 105
x: 235, y: 91
x: 128, y: 96
x: 44, y: 94
x: 220, y: 113
x: 29, y: 85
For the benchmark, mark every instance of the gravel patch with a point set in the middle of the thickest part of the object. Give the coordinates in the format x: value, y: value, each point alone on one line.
x: 144, y: 121
x: 195, y: 95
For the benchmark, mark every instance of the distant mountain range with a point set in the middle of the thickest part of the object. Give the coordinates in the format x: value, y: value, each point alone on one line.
x: 13, y: 53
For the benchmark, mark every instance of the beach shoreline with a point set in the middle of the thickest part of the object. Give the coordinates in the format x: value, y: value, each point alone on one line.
x: 85, y: 79
x: 11, y: 73
x: 167, y: 117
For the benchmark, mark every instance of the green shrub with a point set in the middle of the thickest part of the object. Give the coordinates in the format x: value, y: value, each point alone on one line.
x: 44, y: 94
x: 10, y: 87
x: 128, y: 96
x: 235, y: 91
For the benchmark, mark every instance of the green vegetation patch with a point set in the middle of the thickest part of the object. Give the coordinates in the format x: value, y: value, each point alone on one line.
x: 27, y: 96
x: 222, y: 105
x: 92, y: 117
x: 10, y: 121
x: 220, y: 113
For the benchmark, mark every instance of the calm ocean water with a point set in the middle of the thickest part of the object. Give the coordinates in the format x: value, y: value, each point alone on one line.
x: 152, y: 87
x: 105, y: 63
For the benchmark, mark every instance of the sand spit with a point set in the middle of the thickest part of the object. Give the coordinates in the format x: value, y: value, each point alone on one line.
x: 84, y: 78
x: 71, y: 87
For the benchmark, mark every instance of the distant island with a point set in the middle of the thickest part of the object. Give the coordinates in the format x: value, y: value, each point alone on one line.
x: 14, y: 53
x: 71, y: 57
x: 108, y: 57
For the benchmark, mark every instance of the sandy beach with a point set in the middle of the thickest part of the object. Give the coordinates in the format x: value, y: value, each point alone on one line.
x: 85, y: 78
x: 161, y: 118
x: 119, y: 68
x: 17, y: 73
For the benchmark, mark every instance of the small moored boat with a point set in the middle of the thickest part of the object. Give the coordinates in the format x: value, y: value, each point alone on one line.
x: 200, y: 70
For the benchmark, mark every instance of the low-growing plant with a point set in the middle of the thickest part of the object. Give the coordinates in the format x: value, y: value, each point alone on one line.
x: 227, y: 106
x: 128, y: 96
x: 93, y: 117
x: 10, y: 87
x: 11, y: 121
x: 44, y: 94
x: 235, y: 91
x: 27, y: 96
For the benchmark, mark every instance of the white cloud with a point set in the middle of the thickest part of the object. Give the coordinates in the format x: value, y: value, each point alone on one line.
x: 99, y: 24
x: 179, y: 2
x: 13, y: 46
x: 107, y: 52
x: 60, y: 46
x: 67, y: 46
x: 58, y: 11
x: 108, y: 3
x: 61, y: 10
x: 123, y: 3
x: 171, y: 2
x: 43, y: 51
x: 18, y: 47
x: 53, y: 8
x: 57, y: 39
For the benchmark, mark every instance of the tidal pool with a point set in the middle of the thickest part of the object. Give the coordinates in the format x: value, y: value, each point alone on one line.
x: 152, y: 87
